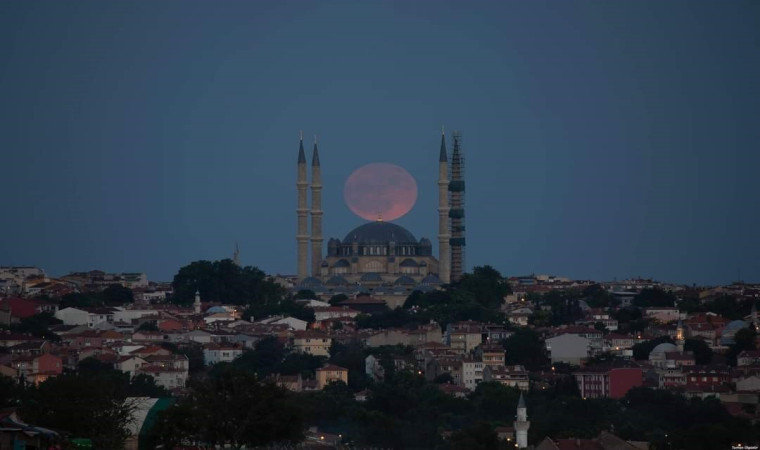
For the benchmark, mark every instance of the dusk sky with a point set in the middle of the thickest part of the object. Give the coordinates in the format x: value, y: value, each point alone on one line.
x: 602, y: 139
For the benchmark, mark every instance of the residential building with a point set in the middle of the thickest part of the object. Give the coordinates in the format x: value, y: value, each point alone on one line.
x: 514, y: 376
x: 216, y: 353
x: 312, y: 342
x: 329, y: 374
x: 568, y: 348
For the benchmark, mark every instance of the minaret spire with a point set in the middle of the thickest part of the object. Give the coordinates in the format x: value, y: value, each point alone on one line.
x: 316, y: 212
x: 444, y: 249
x: 302, y: 210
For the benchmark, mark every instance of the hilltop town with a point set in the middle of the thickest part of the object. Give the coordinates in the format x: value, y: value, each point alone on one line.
x: 488, y: 362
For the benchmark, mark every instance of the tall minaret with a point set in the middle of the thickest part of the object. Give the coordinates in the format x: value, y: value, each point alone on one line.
x: 316, y: 212
x: 444, y: 250
x: 197, y: 302
x: 456, y: 213
x: 302, y: 235
x: 680, y: 338
x: 521, y: 424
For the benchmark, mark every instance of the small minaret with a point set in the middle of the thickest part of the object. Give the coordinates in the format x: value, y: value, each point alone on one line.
x: 302, y: 235
x: 680, y: 338
x: 316, y: 212
x: 753, y: 315
x: 236, y: 255
x: 444, y: 249
x: 197, y: 302
x: 521, y: 424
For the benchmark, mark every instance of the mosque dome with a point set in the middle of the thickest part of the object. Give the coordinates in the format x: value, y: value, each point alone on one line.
x: 665, y: 347
x: 337, y: 280
x: 378, y: 233
x: 734, y: 326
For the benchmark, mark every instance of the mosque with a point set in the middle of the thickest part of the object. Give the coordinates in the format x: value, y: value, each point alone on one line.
x: 381, y: 258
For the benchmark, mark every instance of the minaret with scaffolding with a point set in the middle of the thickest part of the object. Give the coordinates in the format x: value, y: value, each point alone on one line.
x: 456, y: 212
x: 444, y: 250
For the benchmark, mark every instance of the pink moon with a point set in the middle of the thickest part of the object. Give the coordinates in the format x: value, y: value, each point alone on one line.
x: 380, y: 191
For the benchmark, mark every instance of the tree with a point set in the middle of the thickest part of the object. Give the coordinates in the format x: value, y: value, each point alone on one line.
x: 232, y: 408
x: 702, y: 352
x: 486, y: 285
x: 337, y: 298
x: 478, y: 436
x: 526, y: 348
x: 147, y: 326
x: 38, y: 325
x: 597, y: 297
x: 306, y: 294
x: 653, y: 297
x: 83, y: 405
x: 642, y: 350
x: 117, y: 294
x: 225, y: 281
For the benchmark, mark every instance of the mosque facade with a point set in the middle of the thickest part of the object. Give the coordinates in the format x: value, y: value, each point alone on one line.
x: 380, y: 257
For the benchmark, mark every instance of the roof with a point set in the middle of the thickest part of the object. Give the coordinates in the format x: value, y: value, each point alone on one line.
x: 332, y: 367
x: 374, y: 233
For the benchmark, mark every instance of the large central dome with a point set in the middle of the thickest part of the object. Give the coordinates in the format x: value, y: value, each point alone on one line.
x: 376, y: 233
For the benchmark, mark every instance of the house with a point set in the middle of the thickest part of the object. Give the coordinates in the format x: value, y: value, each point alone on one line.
x: 312, y: 342
x: 608, y: 381
x: 72, y: 316
x: 216, y: 353
x: 491, y: 354
x: 292, y: 322
x: 568, y: 348
x: 16, y: 434
x: 454, y: 390
x: 514, y: 376
x: 605, y: 441
x: 170, y: 371
x: 749, y: 384
x: 333, y: 312
x: 463, y: 337
x: 331, y: 373
x: 748, y: 358
x: 290, y: 382
x: 707, y: 376
x: 129, y: 364
x: 520, y: 316
x: 470, y: 373
x: 662, y: 314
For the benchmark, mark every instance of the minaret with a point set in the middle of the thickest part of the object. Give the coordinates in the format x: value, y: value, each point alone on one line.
x: 197, y: 302
x: 302, y: 235
x: 456, y: 213
x: 753, y: 315
x: 680, y: 338
x: 521, y: 424
x: 316, y: 212
x: 236, y: 255
x: 444, y: 249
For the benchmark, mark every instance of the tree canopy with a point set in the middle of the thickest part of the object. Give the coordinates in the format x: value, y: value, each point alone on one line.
x: 224, y: 281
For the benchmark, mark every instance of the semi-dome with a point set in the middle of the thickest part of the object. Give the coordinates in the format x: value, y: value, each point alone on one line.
x: 377, y: 233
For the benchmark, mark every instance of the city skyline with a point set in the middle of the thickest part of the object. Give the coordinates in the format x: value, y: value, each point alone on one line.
x: 602, y: 141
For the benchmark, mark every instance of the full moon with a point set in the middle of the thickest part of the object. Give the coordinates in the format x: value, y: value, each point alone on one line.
x: 380, y: 191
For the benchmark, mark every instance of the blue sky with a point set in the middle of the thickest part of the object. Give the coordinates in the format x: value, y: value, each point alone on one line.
x: 603, y: 139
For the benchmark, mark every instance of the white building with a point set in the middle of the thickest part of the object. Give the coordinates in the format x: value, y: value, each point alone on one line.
x: 568, y: 348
